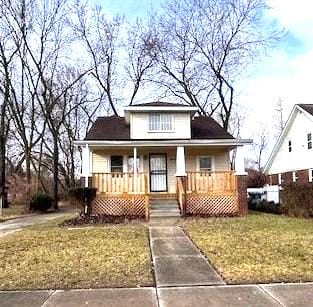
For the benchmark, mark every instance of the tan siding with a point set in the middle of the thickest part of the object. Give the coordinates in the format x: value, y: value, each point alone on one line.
x: 221, y: 161
x: 100, y: 162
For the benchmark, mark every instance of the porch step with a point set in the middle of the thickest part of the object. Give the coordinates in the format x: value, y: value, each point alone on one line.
x: 163, y: 201
x: 164, y: 208
x: 164, y: 214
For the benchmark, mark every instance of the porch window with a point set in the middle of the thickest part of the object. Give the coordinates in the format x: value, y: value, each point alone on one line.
x: 205, y: 164
x: 309, y: 139
x: 116, y: 164
x: 160, y: 122
x: 130, y: 164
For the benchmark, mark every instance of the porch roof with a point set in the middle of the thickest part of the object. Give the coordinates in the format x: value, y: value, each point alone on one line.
x: 115, y: 128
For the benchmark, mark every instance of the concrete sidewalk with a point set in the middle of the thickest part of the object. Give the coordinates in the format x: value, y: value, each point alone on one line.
x: 16, y: 224
x: 177, y: 261
x: 270, y: 295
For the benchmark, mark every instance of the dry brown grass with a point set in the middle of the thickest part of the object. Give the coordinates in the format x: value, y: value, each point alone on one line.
x: 50, y: 257
x: 257, y: 249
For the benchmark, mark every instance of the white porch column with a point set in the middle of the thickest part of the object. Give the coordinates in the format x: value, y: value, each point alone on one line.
x: 86, y: 164
x: 240, y: 162
x: 135, y: 169
x: 180, y: 162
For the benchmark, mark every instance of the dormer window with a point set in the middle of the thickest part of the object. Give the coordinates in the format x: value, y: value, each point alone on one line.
x: 160, y: 122
x: 309, y: 139
x: 289, y: 146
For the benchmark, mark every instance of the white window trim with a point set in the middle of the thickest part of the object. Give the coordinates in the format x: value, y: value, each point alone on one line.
x: 294, y: 176
x: 204, y: 156
x: 311, y: 175
x: 279, y: 179
x: 162, y: 131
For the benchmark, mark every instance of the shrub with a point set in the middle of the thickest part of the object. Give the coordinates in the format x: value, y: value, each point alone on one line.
x: 297, y: 199
x: 40, y: 202
x: 83, y: 197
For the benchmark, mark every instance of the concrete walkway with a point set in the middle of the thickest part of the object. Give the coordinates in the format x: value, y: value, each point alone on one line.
x: 13, y: 225
x: 271, y: 295
x: 177, y: 262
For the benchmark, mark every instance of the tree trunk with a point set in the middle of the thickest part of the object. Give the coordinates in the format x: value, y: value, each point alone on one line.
x: 55, y: 172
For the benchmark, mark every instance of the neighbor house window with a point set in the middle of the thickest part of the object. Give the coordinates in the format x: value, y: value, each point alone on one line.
x: 160, y: 122
x: 309, y: 139
x: 116, y: 164
x: 289, y: 146
x: 311, y: 175
x: 205, y: 164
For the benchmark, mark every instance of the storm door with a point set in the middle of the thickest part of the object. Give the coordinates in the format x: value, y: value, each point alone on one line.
x: 158, y: 173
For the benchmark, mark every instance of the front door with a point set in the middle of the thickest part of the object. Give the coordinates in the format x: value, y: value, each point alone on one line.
x: 158, y: 173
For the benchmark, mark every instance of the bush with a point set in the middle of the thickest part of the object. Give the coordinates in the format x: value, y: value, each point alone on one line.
x: 40, y: 202
x: 297, y: 200
x: 83, y: 197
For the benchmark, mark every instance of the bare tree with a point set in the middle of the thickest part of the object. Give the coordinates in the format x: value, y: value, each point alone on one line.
x: 259, y: 146
x: 205, y: 47
x: 142, y: 51
x: 279, y: 117
x: 101, y: 37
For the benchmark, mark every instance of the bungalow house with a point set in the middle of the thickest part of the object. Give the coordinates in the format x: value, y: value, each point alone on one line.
x: 163, y: 151
x: 292, y: 157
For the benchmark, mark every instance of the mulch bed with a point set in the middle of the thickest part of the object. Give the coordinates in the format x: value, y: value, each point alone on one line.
x: 101, y: 219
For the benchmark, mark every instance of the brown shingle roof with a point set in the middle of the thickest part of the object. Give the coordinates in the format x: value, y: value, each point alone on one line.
x: 109, y: 128
x: 159, y: 104
x: 115, y: 128
x: 307, y: 107
x: 206, y: 127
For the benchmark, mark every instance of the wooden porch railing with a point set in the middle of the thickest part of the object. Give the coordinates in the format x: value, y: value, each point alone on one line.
x: 117, y: 183
x: 211, y: 182
x: 181, y: 194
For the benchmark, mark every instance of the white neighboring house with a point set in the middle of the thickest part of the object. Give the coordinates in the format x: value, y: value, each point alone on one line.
x: 292, y: 157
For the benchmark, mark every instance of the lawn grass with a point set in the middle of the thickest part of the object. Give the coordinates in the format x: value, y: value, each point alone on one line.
x: 260, y: 248
x: 50, y: 257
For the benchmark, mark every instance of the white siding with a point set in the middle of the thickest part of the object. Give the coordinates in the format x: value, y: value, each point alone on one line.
x: 139, y: 127
x: 300, y: 157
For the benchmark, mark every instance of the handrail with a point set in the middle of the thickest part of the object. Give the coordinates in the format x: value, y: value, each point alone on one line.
x: 181, y: 195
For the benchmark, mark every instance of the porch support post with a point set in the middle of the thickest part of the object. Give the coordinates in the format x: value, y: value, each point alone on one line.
x: 180, y: 162
x: 135, y: 169
x: 240, y: 162
x: 86, y: 164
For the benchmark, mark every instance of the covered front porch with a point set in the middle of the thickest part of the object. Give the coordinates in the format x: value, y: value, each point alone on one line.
x: 189, y: 174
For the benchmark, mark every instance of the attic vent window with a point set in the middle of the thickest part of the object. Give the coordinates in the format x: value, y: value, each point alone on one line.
x: 160, y: 122
x: 309, y: 139
x: 289, y: 146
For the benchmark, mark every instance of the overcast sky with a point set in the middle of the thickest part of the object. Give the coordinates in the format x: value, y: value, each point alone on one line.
x: 285, y: 73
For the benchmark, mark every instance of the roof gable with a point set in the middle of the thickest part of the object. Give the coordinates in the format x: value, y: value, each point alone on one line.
x: 307, y: 109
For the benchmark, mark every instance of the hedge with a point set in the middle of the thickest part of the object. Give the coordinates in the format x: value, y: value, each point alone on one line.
x: 297, y: 200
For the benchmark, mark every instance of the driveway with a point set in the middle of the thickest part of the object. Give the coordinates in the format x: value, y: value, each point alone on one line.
x: 13, y: 225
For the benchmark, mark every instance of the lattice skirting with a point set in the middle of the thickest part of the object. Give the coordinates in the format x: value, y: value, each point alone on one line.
x: 212, y: 205
x: 134, y: 205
